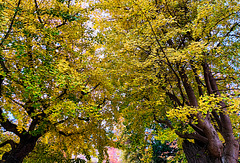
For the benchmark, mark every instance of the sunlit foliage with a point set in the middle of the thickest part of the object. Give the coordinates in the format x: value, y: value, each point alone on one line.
x: 175, y: 63
x: 51, y: 90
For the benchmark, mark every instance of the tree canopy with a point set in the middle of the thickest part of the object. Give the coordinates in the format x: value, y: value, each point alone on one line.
x: 51, y: 90
x: 176, y: 63
x: 162, y: 69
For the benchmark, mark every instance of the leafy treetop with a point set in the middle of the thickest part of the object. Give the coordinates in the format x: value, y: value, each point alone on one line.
x: 175, y: 63
x: 51, y: 90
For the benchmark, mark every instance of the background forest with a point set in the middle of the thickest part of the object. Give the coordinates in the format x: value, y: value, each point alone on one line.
x: 156, y: 79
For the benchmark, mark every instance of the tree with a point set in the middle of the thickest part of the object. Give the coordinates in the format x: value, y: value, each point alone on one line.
x: 176, y: 63
x: 49, y: 85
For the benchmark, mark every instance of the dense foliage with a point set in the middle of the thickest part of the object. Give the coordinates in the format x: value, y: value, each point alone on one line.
x: 176, y: 63
x: 162, y: 69
x: 49, y: 85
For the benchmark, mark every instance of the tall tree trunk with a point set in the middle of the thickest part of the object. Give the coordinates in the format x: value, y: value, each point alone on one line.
x: 197, y: 153
x: 22, y: 149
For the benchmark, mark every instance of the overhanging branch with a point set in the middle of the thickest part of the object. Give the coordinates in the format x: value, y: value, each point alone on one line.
x: 192, y: 136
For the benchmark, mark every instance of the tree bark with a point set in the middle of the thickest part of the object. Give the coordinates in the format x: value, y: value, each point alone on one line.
x: 198, y: 153
x: 16, y: 155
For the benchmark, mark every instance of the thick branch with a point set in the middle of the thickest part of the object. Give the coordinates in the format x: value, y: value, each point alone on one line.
x: 174, y: 98
x: 196, y: 128
x: 8, y: 125
x: 36, y: 120
x: 186, y: 136
x: 216, y: 117
x: 171, y: 95
x: 11, y: 142
x: 226, y: 125
x: 199, y: 83
x: 188, y: 88
x: 206, y: 78
x: 193, y: 136
x: 65, y: 20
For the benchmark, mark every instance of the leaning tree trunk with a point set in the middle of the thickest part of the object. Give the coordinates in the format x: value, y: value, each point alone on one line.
x: 17, y: 154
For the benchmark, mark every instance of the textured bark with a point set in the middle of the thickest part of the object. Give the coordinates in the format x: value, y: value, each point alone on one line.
x: 212, y: 150
x: 231, y: 149
x: 198, y: 153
